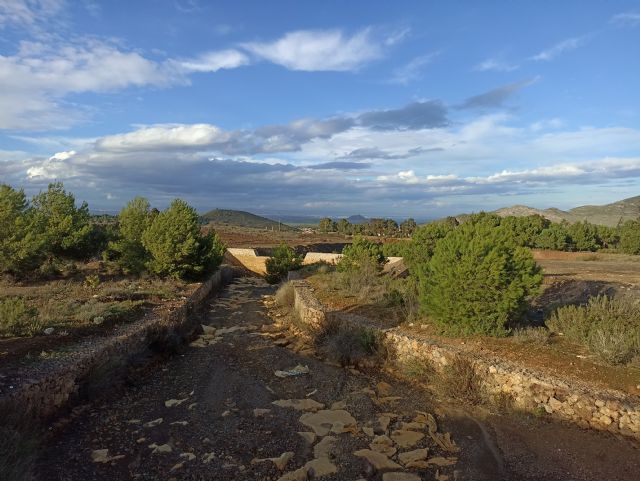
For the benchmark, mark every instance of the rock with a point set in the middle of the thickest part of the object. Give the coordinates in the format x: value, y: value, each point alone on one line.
x: 160, y: 449
x: 378, y: 460
x: 188, y: 456
x: 320, y: 467
x: 308, y: 436
x: 280, y: 462
x: 325, y: 421
x: 102, y: 456
x: 208, y: 457
x: 406, y: 439
x: 153, y: 424
x: 49, y: 330
x: 383, y: 388
x: 258, y: 413
x: 368, y: 431
x: 324, y: 448
x: 208, y: 329
x: 383, y: 424
x: 413, y: 425
x: 383, y: 444
x: 400, y: 477
x: 339, y: 405
x: 411, y: 457
x: 191, y: 406
x: 140, y: 440
x: 176, y: 467
x: 229, y: 330
x: 179, y: 423
x: 299, y: 404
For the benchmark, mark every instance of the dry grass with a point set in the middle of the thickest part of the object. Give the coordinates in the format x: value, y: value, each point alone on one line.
x: 460, y: 380
x: 347, y: 344
x: 284, y: 296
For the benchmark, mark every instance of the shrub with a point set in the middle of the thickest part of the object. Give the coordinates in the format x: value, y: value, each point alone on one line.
x: 17, y: 318
x: 461, y: 381
x: 285, y: 295
x: 128, y: 250
x: 67, y: 229
x: 21, y: 243
x: 360, y: 267
x: 283, y: 259
x: 477, y: 281
x: 177, y: 247
x: 424, y: 239
x: 533, y: 335
x: 630, y: 237
x: 359, y: 253
x: 347, y: 344
x: 609, y: 327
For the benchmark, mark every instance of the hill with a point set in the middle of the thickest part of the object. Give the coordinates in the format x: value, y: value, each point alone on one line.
x: 609, y: 214
x: 241, y: 218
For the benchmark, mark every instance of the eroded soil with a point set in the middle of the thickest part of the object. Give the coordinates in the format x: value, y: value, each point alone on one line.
x: 209, y: 413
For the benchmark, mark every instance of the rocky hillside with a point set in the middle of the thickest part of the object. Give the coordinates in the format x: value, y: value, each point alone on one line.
x: 241, y: 218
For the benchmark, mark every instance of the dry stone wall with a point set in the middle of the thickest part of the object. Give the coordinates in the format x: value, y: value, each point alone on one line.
x: 529, y: 389
x: 43, y: 389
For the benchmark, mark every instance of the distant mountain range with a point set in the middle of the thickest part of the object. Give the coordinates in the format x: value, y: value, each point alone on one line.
x: 610, y: 214
x: 243, y: 219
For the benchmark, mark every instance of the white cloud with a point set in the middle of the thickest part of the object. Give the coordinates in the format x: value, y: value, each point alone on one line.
x: 213, y: 61
x: 413, y: 69
x: 27, y: 13
x: 560, y: 48
x: 631, y: 19
x: 319, y: 50
x: 162, y: 137
x: 497, y: 65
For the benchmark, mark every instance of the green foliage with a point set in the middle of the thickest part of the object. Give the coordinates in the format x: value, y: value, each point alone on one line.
x: 361, y: 252
x: 424, y: 240
x: 609, y: 327
x: 478, y: 280
x: 327, y: 225
x: 397, y: 249
x: 128, y: 250
x: 17, y: 318
x: 176, y: 245
x: 630, y: 237
x: 525, y: 230
x: 584, y: 236
x: 554, y: 237
x: 67, y: 229
x: 283, y: 259
x: 407, y: 227
x: 21, y: 243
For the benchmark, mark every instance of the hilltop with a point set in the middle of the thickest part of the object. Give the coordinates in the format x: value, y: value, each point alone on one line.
x: 609, y: 214
x: 241, y: 218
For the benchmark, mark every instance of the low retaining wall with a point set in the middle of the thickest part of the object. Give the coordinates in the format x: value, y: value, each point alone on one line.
x: 44, y: 390
x: 529, y: 389
x: 313, y: 257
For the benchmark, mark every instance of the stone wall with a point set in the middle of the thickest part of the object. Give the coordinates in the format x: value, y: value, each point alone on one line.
x: 529, y: 389
x: 313, y: 257
x: 46, y: 387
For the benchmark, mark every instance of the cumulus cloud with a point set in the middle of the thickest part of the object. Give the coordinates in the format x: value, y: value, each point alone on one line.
x: 560, y: 48
x: 320, y: 50
x: 212, y: 61
x: 28, y: 13
x: 495, y: 98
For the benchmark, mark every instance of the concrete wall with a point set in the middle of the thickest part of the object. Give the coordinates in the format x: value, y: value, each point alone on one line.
x: 530, y: 389
x: 50, y: 384
x: 313, y: 257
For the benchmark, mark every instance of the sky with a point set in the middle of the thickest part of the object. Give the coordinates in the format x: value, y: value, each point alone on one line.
x: 401, y: 109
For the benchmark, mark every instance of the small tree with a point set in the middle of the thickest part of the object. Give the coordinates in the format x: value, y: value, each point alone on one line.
x: 477, y: 280
x: 283, y: 259
x: 177, y: 247
x: 554, y: 237
x: 21, y: 242
x: 327, y: 225
x: 630, y: 237
x: 361, y: 253
x: 128, y: 250
x: 67, y: 229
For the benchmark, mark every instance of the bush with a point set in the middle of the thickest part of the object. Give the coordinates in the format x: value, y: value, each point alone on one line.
x: 285, y: 295
x: 177, y: 247
x: 128, y: 251
x: 283, y: 259
x: 17, y: 318
x: 630, y: 237
x: 360, y: 253
x: 461, y: 381
x: 609, y: 327
x: 347, y: 344
x: 21, y: 244
x: 477, y: 281
x: 67, y: 229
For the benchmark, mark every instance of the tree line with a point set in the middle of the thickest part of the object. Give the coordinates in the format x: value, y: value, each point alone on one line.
x: 38, y: 236
x: 373, y: 227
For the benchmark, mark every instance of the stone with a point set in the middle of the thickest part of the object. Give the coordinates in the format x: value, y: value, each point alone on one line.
x: 406, y: 439
x: 368, y: 431
x: 383, y: 444
x: 338, y: 405
x: 160, y: 449
x: 308, y: 436
x: 258, y: 413
x: 383, y: 423
x: 378, y: 460
x: 383, y: 388
x: 299, y: 404
x: 324, y: 448
x: 208, y: 457
x: 188, y: 456
x: 176, y: 467
x: 410, y: 457
x: 179, y: 423
x: 153, y: 424
x: 280, y: 462
x: 413, y: 425
x: 102, y: 456
x: 400, y: 477
x: 325, y: 421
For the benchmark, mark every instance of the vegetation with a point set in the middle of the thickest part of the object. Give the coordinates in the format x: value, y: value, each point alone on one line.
x: 347, y: 344
x: 243, y: 219
x: 461, y: 381
x: 372, y: 227
x: 609, y: 327
x: 283, y: 259
x: 360, y: 266
x: 477, y: 281
x: 177, y: 247
x: 284, y: 296
x: 17, y: 318
x: 128, y: 251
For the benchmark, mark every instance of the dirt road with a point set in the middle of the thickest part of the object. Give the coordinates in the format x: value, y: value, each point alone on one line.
x: 219, y: 412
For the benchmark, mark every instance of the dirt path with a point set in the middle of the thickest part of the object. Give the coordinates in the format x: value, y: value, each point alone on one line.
x: 209, y: 413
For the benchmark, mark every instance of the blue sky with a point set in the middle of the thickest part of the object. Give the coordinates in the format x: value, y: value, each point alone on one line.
x: 333, y: 108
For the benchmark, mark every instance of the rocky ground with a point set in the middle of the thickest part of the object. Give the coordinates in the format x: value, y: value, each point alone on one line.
x: 227, y: 408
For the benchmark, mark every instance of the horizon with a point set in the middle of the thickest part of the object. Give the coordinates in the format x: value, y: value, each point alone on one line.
x: 423, y: 110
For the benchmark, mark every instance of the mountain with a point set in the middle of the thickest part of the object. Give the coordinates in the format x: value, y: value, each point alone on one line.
x: 609, y: 214
x: 243, y: 219
x: 357, y: 219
